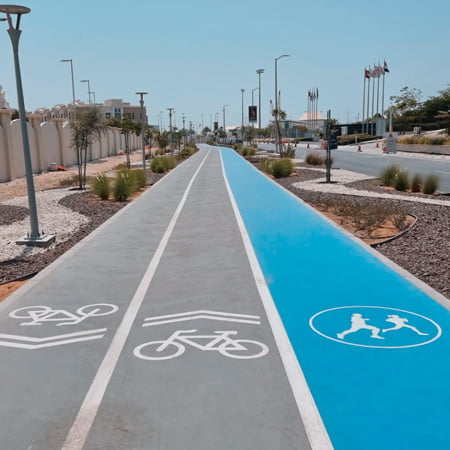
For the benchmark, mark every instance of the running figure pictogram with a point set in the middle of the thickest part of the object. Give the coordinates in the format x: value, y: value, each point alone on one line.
x: 399, y: 323
x: 359, y: 323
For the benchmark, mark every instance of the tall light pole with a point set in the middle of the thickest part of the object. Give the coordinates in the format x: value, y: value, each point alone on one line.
x: 73, y: 82
x: 34, y: 237
x: 170, y: 122
x: 183, y: 117
x: 93, y: 96
x: 259, y: 72
x: 161, y: 115
x: 242, y: 121
x: 89, y: 88
x: 141, y: 102
x: 276, y: 102
x: 224, y: 127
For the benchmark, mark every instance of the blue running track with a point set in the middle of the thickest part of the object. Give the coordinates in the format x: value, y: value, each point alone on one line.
x: 374, y: 348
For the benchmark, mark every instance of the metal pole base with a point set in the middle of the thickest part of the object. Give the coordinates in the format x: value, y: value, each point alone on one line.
x: 44, y: 240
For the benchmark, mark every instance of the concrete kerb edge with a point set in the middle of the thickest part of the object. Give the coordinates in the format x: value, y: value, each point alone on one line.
x: 435, y: 295
x: 60, y: 260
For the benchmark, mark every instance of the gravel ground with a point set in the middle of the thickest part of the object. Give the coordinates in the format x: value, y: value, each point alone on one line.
x: 424, y: 251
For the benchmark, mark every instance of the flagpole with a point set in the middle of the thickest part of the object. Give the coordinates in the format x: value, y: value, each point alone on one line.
x: 317, y: 109
x: 364, y: 101
x: 368, y: 102
x: 373, y: 107
x: 378, y: 86
x: 382, y: 96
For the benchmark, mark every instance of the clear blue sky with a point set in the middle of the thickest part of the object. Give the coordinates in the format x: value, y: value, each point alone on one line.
x: 196, y: 55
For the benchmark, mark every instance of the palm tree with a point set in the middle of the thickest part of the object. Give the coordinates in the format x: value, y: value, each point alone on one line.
x: 86, y: 128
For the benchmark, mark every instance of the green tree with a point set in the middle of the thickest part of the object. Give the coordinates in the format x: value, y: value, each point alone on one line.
x: 162, y: 140
x: 406, y: 106
x: 86, y: 128
x: 128, y: 126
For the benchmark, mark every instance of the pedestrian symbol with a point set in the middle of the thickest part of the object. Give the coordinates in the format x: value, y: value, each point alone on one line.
x: 359, y: 323
x: 375, y: 326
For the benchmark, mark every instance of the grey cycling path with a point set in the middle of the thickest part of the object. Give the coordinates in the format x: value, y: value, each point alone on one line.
x: 201, y: 399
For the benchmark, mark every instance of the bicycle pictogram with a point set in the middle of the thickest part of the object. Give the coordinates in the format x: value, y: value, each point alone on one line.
x: 175, y: 345
x: 37, y: 315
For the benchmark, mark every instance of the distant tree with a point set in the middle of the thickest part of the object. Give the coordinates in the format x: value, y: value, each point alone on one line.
x: 86, y: 128
x: 162, y: 140
x: 128, y: 126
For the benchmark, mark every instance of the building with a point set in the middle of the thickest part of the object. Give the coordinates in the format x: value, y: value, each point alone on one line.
x: 111, y: 108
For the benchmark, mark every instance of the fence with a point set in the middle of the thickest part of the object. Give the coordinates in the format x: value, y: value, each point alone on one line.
x: 49, y: 143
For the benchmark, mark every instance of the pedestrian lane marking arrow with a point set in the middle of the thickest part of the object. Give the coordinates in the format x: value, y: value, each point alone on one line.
x: 202, y: 314
x: 33, y: 343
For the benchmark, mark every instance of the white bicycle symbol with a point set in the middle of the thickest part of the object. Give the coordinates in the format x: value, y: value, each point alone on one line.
x: 220, y: 341
x: 40, y: 314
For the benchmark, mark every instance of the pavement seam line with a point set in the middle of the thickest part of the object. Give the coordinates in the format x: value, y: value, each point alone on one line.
x: 312, y: 421
x: 79, y: 431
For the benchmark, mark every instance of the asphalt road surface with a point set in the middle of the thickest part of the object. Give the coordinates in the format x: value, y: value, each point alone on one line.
x: 217, y: 311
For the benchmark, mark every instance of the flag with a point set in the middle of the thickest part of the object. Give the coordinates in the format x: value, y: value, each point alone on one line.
x: 374, y: 73
x: 366, y: 73
x: 386, y: 67
x: 317, y: 90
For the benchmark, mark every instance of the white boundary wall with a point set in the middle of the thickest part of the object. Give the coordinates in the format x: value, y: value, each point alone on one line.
x: 49, y: 143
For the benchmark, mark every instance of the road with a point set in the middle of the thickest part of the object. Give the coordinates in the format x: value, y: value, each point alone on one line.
x: 372, y: 161
x: 218, y: 311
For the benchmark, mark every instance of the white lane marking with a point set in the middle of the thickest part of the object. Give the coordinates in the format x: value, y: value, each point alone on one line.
x: 6, y: 340
x: 314, y: 426
x: 201, y: 314
x: 83, y: 422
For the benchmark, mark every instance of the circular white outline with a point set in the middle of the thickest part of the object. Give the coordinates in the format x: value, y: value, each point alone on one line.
x: 439, y: 333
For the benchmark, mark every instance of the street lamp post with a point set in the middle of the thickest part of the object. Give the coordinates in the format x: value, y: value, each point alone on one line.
x: 34, y: 237
x: 276, y: 102
x: 242, y: 121
x: 89, y: 88
x: 141, y: 102
x: 224, y: 126
x: 73, y: 82
x: 259, y: 72
x: 93, y: 96
x: 253, y: 122
x: 161, y: 115
x: 170, y: 128
x: 183, y: 117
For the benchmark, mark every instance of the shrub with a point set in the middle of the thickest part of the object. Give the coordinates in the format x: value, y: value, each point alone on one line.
x: 157, y: 165
x: 389, y: 174
x: 140, y: 178
x: 248, y: 151
x: 282, y: 168
x: 416, y: 183
x: 314, y: 159
x: 100, y: 186
x: 163, y: 164
x: 401, y: 182
x: 169, y: 162
x: 431, y: 184
x: 124, y: 185
x: 266, y: 165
